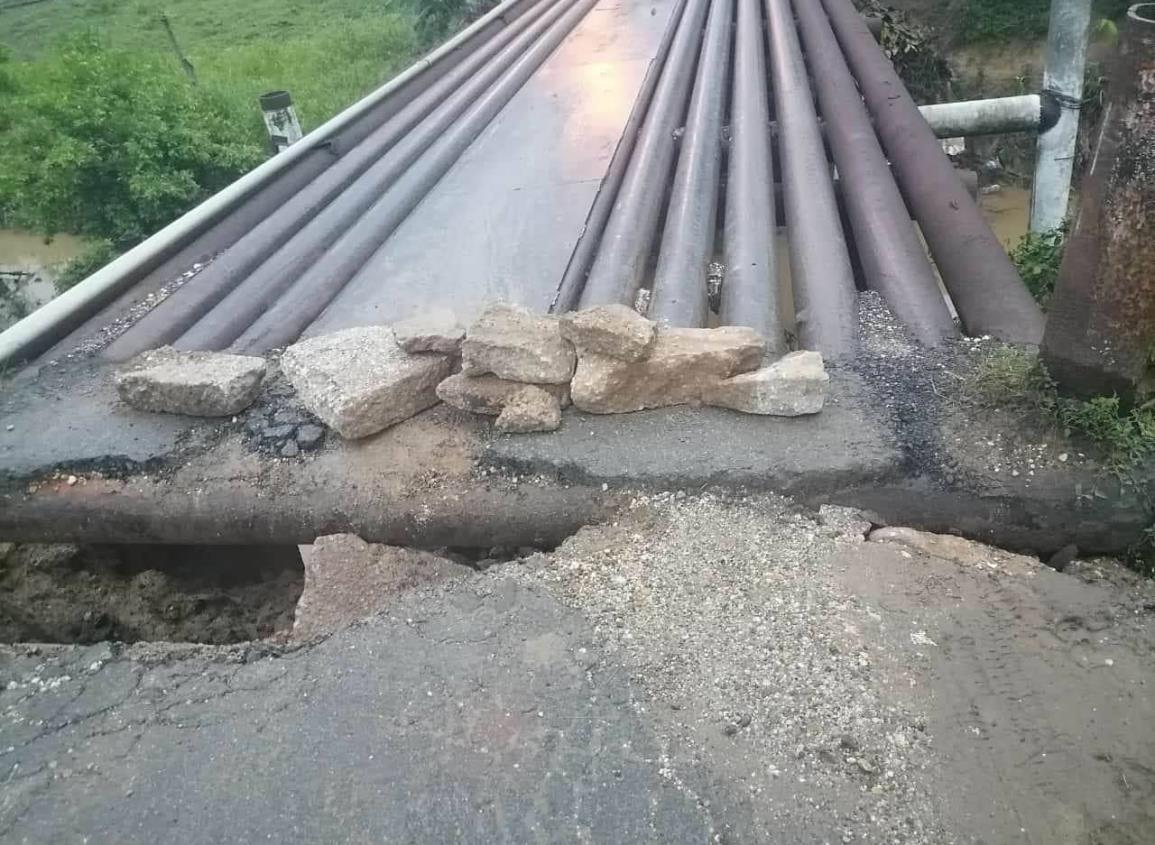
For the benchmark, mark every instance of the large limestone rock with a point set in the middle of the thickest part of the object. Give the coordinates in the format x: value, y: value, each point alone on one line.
x: 791, y: 386
x: 682, y: 367
x: 347, y: 579
x: 201, y: 384
x: 489, y: 394
x: 360, y: 381
x: 531, y: 409
x: 516, y: 344
x: 435, y: 332
x: 614, y: 330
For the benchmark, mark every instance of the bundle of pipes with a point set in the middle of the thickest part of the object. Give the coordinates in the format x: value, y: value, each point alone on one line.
x: 886, y: 160
x: 315, y: 221
x: 279, y: 276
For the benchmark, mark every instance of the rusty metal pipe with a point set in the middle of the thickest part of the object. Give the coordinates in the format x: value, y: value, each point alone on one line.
x: 358, y: 250
x: 826, y: 310
x: 894, y: 261
x: 679, y: 293
x: 983, y: 284
x: 569, y: 290
x: 628, y: 240
x: 750, y: 295
x: 180, y: 312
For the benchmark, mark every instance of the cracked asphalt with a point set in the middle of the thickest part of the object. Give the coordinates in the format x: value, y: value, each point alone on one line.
x: 702, y: 670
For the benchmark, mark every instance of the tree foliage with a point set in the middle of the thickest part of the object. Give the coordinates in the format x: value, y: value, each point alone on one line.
x: 110, y: 144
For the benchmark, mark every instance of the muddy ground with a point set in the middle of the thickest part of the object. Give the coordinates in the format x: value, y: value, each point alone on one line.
x: 86, y: 594
x: 701, y: 669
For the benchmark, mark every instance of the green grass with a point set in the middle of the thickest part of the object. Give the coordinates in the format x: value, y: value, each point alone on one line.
x: 201, y: 26
x: 984, y: 21
x: 1124, y: 436
x: 327, y: 53
x: 1038, y: 256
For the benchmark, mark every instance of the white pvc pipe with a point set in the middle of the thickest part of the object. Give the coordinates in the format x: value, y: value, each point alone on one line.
x: 1062, y: 80
x: 63, y: 313
x: 985, y: 117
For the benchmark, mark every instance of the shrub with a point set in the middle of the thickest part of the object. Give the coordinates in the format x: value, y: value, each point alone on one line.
x: 110, y: 144
x: 96, y: 255
x: 1038, y: 257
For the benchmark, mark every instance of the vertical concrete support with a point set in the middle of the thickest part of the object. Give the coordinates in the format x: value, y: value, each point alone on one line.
x: 280, y: 119
x: 1062, y: 82
x: 1100, y: 335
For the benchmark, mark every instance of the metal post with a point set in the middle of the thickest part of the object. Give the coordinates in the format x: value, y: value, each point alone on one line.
x: 280, y: 119
x: 1062, y: 81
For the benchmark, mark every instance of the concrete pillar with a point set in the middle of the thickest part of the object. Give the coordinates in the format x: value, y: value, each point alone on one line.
x: 280, y: 119
x: 1100, y: 335
x: 1063, y: 82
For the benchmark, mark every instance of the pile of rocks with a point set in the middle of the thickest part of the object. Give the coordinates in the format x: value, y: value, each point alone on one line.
x: 517, y: 366
x: 611, y: 360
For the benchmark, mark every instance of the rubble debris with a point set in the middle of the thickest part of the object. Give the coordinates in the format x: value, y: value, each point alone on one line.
x: 949, y: 547
x: 489, y: 394
x: 360, y: 381
x: 514, y: 343
x: 439, y: 332
x: 792, y: 386
x: 530, y: 409
x: 347, y: 579
x: 684, y: 365
x: 199, y: 384
x: 614, y: 330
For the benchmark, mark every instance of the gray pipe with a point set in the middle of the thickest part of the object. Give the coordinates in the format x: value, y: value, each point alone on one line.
x: 177, y: 314
x: 750, y: 288
x: 893, y: 259
x: 983, y: 284
x: 359, y: 249
x: 995, y: 116
x: 569, y: 290
x: 826, y: 310
x: 235, y: 314
x: 1063, y: 81
x: 629, y: 236
x: 679, y: 293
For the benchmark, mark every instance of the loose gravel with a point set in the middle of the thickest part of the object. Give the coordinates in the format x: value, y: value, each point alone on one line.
x: 729, y: 619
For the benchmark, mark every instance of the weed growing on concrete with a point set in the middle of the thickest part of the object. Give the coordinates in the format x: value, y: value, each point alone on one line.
x: 1037, y: 257
x: 1124, y: 436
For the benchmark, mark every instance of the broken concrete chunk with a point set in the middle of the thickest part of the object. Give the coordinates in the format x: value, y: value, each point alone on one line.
x: 360, y: 381
x: 949, y: 547
x: 489, y: 394
x: 682, y: 367
x: 793, y: 385
x: 531, y: 409
x: 614, y: 330
x: 201, y: 384
x: 430, y: 333
x: 347, y: 579
x: 515, y: 344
